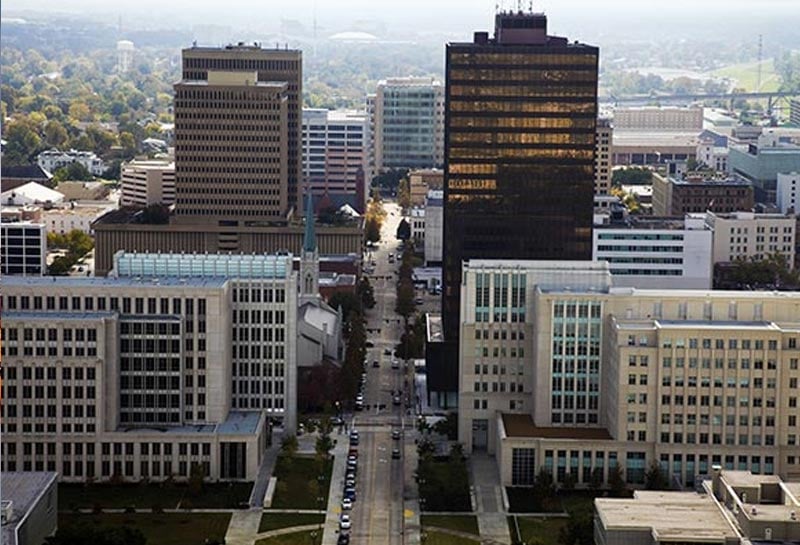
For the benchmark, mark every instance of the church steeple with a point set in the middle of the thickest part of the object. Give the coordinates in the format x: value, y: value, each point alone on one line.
x: 309, y: 259
x: 310, y: 237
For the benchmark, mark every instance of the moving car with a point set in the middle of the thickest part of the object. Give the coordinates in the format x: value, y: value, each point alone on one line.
x: 395, y: 454
x: 396, y: 400
x: 395, y: 434
x: 395, y: 364
x: 376, y: 364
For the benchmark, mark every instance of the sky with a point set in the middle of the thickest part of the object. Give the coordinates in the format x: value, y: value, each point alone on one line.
x: 421, y: 15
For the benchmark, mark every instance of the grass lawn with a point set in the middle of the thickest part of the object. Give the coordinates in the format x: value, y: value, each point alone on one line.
x: 297, y: 486
x: 523, y: 500
x: 746, y: 75
x: 147, y: 496
x: 444, y: 485
x: 438, y: 538
x: 545, y: 530
x: 166, y: 529
x: 462, y: 523
x: 295, y: 538
x: 275, y: 521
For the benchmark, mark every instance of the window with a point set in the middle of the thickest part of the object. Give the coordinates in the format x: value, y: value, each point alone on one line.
x: 522, y: 466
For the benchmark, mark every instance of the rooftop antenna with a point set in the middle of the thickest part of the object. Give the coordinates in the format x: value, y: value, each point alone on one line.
x: 760, y: 47
x: 314, y: 11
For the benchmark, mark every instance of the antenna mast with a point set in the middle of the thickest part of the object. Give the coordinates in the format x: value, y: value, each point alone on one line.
x: 760, y: 56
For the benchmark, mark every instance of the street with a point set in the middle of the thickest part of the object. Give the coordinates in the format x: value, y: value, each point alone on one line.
x: 378, y: 511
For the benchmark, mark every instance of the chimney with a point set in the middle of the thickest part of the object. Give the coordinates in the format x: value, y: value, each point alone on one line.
x: 481, y: 38
x: 716, y: 481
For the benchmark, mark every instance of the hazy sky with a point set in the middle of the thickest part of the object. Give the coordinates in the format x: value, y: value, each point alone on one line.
x: 445, y: 15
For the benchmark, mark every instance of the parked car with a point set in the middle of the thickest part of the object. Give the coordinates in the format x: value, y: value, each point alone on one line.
x: 395, y: 434
x: 376, y: 364
x: 350, y: 493
x: 395, y: 364
x: 344, y: 539
x: 396, y: 400
x: 369, y: 344
x: 344, y: 522
x: 347, y: 504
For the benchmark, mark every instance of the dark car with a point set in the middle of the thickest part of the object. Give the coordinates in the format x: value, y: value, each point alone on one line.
x: 395, y: 434
x: 344, y: 539
x: 396, y: 454
x: 376, y: 364
x: 369, y: 344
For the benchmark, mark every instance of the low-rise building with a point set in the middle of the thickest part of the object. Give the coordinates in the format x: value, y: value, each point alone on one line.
x: 650, y: 252
x: 678, y: 196
x: 690, y: 378
x: 638, y: 147
x: 84, y: 191
x: 416, y: 219
x: 788, y: 192
x: 747, y: 235
x: 53, y: 159
x: 659, y: 118
x: 23, y: 249
x: 29, y: 507
x: 732, y: 508
x: 434, y: 225
x: 76, y: 216
x: 760, y: 163
x: 422, y: 181
x: 147, y: 182
x: 31, y: 193
x: 713, y: 152
x: 15, y: 176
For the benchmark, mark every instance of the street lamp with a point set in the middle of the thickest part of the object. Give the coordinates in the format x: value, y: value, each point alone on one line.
x: 313, y: 537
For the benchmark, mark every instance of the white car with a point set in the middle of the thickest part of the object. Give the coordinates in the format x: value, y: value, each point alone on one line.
x: 347, y: 504
x: 344, y: 522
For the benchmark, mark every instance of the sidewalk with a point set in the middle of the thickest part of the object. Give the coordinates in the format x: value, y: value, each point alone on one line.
x: 265, y: 472
x: 411, y: 510
x: 243, y: 527
x: 330, y: 534
x: 489, y: 499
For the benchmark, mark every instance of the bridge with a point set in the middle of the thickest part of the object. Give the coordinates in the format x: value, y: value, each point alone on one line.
x: 776, y: 100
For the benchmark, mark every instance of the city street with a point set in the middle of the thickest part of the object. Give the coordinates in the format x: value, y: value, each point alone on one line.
x: 378, y: 511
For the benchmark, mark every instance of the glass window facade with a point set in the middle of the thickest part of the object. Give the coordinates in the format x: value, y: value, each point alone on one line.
x: 520, y: 124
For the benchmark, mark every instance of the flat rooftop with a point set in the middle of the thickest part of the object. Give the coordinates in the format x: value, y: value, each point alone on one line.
x: 669, y: 516
x: 716, y: 325
x: 23, y: 489
x: 632, y: 138
x: 521, y: 425
x: 104, y: 281
x: 237, y: 423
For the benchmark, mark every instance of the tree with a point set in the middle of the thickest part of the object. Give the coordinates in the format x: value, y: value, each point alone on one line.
x: 197, y: 477
x: 22, y: 143
x: 655, y: 478
x: 372, y: 230
x: 579, y: 529
x: 366, y: 293
x: 405, y: 299
x: 404, y: 193
x: 289, y: 446
x: 596, y: 479
x: 155, y: 214
x: 617, y: 488
x: 403, y: 230
x: 55, y: 135
x: 128, y: 143
x: 544, y: 487
x: 72, y: 172
x: 80, y: 111
x: 348, y: 302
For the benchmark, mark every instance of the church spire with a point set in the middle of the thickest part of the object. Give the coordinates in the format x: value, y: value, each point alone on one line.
x: 310, y: 237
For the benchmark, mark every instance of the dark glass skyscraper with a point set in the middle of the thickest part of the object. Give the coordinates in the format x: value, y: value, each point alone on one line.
x: 520, y: 118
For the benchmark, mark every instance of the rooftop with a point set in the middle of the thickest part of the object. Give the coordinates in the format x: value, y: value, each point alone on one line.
x: 102, y: 281
x: 521, y: 425
x: 23, y: 489
x: 716, y: 325
x: 649, y: 138
x: 670, y: 516
x: 434, y: 327
x: 201, y: 265
x: 237, y: 423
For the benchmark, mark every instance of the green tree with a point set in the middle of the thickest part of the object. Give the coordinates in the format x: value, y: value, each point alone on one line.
x: 79, y: 111
x: 55, y: 135
x: 72, y: 172
x: 22, y: 143
x: 544, y: 487
x: 348, y: 302
x: 404, y: 193
x: 366, y: 293
x: 372, y: 229
x: 655, y: 478
x: 617, y: 488
x: 405, y: 299
x: 197, y: 477
x: 403, y: 230
x: 579, y: 529
x: 128, y: 143
x: 289, y: 446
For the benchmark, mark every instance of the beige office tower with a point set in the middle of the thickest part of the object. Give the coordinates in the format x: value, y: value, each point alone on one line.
x: 237, y: 134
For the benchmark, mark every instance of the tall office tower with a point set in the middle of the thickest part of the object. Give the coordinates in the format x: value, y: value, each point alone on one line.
x: 125, y: 49
x: 602, y: 165
x: 407, y: 119
x: 334, y: 153
x: 520, y: 121
x: 249, y: 135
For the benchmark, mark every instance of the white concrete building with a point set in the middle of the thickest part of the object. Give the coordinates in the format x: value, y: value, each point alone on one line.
x: 747, y: 235
x: 29, y: 507
x: 147, y: 182
x: 125, y: 50
x: 713, y: 156
x: 559, y: 370
x: 53, y: 159
x: 192, y: 353
x: 31, y: 193
x: 416, y: 219
x: 75, y: 216
x: 407, y: 123
x: 434, y: 227
x: 658, y: 118
x: 23, y: 249
x: 658, y: 253
x: 788, y: 192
